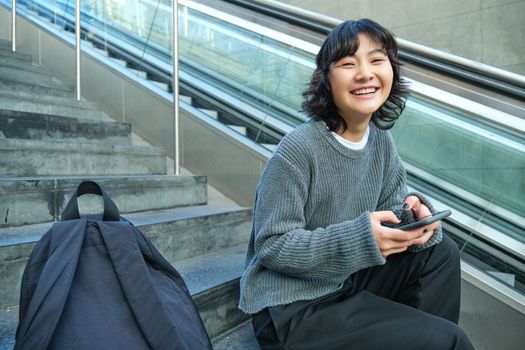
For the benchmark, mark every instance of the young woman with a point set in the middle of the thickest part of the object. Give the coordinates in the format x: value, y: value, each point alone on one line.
x: 326, y: 268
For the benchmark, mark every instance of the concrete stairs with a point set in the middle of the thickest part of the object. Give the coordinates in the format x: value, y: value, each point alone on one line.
x: 45, y: 154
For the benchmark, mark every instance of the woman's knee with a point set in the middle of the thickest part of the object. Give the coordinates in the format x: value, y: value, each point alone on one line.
x: 448, y: 335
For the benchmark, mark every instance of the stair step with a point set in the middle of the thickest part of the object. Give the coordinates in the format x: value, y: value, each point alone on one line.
x: 507, y: 278
x: 8, y: 324
x: 65, y: 101
x: 238, y: 338
x: 48, y: 84
x: 206, y: 228
x: 139, y: 73
x: 119, y: 62
x: 163, y: 86
x: 87, y: 43
x: 51, y: 105
x: 179, y: 234
x: 5, y: 43
x: 56, y: 90
x: 47, y: 158
x: 212, y: 113
x: 269, y: 146
x: 239, y: 129
x: 28, y: 76
x: 27, y: 67
x: 185, y: 98
x: 37, y: 200
x: 102, y: 52
x: 26, y: 125
x: 9, y: 56
x: 213, y: 281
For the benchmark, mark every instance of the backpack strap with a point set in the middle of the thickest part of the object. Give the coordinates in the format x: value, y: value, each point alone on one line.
x: 43, y: 313
x: 175, y: 324
x: 71, y: 212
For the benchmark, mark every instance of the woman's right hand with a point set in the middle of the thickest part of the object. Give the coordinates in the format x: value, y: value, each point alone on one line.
x: 391, y: 240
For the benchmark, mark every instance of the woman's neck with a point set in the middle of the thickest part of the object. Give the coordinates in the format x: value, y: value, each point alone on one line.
x: 354, y: 131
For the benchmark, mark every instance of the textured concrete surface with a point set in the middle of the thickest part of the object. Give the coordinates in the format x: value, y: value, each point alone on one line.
x: 8, y: 56
x: 62, y: 101
x: 27, y: 67
x: 21, y: 86
x: 34, y: 200
x: 8, y: 324
x: 50, y: 84
x: 30, y: 77
x: 213, y: 280
x: 44, y: 158
x: 20, y: 101
x: 238, y: 338
x: 38, y: 126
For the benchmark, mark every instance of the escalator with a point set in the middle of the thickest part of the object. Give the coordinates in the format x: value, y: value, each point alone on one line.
x: 461, y: 136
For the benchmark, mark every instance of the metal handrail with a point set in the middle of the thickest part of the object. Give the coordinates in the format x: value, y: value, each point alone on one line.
x: 13, y: 25
x: 175, y: 66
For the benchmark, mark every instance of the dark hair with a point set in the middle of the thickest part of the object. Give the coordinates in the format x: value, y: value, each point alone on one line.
x: 343, y: 41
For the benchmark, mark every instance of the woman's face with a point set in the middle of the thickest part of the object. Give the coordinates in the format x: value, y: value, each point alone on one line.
x: 361, y: 83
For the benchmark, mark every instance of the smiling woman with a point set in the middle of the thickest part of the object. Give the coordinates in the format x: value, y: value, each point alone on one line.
x: 326, y: 266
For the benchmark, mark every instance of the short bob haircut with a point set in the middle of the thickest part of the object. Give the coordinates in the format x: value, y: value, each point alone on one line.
x: 343, y: 41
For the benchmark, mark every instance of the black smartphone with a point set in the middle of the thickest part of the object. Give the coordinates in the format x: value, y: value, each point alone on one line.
x: 426, y: 220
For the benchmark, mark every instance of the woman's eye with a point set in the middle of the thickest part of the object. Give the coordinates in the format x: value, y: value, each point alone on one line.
x: 378, y: 60
x: 347, y: 64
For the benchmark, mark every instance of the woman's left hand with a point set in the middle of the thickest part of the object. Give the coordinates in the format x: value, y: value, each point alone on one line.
x: 420, y: 211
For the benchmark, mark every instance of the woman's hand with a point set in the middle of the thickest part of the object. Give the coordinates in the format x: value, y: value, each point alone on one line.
x: 420, y: 211
x: 391, y: 240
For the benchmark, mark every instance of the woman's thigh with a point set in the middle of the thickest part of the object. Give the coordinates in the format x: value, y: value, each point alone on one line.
x: 365, y: 321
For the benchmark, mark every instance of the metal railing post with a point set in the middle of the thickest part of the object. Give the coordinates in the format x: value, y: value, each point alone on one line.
x: 175, y: 86
x: 13, y: 25
x: 77, y: 46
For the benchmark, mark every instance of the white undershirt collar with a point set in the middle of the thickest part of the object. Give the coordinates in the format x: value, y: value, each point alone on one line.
x: 356, y: 146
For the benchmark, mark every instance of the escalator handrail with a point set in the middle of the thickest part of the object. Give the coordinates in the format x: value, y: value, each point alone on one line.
x: 323, y: 24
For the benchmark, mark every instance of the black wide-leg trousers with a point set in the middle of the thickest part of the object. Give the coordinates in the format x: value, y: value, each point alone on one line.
x: 410, y: 302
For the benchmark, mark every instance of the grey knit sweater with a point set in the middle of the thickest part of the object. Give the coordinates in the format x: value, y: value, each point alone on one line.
x: 311, y: 226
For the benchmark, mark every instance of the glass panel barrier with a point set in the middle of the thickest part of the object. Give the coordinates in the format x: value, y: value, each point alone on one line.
x: 466, y: 153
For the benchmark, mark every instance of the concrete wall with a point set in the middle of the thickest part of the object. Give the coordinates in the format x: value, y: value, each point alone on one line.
x: 488, y: 31
x: 5, y: 24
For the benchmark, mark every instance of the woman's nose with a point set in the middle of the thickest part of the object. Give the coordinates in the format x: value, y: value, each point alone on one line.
x: 365, y: 74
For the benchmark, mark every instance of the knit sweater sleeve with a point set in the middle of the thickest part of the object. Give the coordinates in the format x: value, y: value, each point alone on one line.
x: 282, y: 243
x: 395, y: 192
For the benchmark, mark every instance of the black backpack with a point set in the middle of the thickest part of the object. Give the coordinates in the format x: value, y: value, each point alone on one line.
x: 99, y: 283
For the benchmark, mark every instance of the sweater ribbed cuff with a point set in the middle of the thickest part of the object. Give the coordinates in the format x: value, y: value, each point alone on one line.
x: 437, y: 236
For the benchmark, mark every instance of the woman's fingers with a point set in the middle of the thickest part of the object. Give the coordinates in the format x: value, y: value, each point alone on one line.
x: 391, y: 240
x: 405, y: 236
x: 423, y: 238
x: 383, y: 216
x: 411, y: 203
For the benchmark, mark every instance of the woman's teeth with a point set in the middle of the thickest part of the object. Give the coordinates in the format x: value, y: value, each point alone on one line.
x: 364, y: 91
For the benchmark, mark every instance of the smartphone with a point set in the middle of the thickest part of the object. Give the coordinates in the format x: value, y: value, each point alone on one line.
x: 426, y: 220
